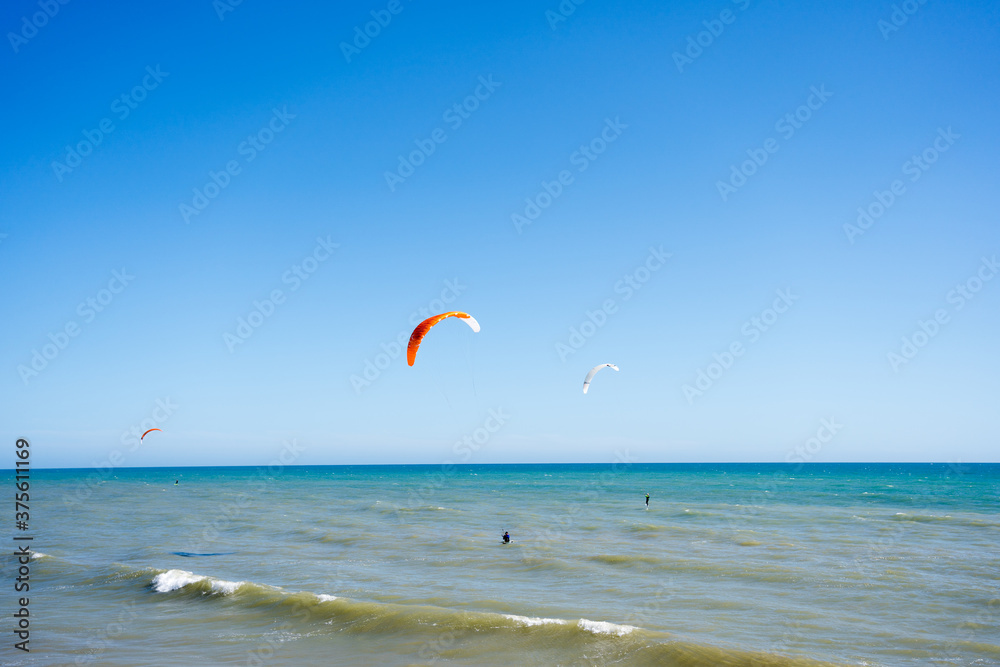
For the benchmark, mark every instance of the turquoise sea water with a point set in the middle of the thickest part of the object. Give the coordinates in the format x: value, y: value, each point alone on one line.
x: 737, y: 564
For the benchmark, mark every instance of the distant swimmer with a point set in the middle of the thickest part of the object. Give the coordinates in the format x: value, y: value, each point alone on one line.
x: 647, y: 501
x: 506, y: 537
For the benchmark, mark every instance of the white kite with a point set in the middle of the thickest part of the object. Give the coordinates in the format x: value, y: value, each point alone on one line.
x: 593, y: 372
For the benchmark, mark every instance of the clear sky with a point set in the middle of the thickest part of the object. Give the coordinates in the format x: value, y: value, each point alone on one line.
x: 686, y: 177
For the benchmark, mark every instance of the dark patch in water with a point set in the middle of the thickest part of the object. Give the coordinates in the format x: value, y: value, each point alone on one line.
x: 188, y: 554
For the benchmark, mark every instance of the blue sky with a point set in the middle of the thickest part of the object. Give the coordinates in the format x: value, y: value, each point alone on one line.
x: 644, y: 129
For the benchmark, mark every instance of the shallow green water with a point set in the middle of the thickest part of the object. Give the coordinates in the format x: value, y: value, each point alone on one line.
x: 740, y: 564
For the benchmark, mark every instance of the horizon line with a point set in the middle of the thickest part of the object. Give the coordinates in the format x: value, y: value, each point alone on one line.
x: 797, y: 464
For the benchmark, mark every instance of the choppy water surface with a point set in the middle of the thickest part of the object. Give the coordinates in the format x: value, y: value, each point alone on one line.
x: 739, y: 564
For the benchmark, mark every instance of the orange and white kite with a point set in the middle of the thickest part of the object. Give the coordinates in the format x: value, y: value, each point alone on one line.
x: 425, y: 326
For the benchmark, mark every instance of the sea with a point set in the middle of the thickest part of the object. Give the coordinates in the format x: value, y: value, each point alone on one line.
x: 730, y: 564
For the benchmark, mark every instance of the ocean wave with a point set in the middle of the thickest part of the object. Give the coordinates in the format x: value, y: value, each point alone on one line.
x: 308, y: 613
x: 615, y: 559
x: 690, y: 514
x: 922, y: 518
x: 344, y: 539
x: 593, y: 627
x: 365, y: 616
x: 532, y: 562
x: 645, y: 528
x: 172, y: 580
x: 531, y: 622
x: 737, y: 570
x: 413, y: 510
x: 605, y: 628
x: 943, y: 518
x: 34, y: 555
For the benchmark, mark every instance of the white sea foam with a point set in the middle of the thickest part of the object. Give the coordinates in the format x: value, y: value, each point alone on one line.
x: 605, y: 628
x: 38, y: 554
x: 529, y: 622
x: 326, y: 598
x: 171, y: 580
x: 226, y: 587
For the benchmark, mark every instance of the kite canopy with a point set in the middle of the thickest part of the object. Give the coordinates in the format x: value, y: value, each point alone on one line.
x: 148, y: 432
x: 593, y: 372
x: 425, y: 326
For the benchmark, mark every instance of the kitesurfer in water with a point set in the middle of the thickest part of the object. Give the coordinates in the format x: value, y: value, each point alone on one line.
x: 506, y: 537
x: 647, y: 501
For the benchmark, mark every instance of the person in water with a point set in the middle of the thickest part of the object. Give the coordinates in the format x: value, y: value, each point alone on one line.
x: 506, y: 537
x: 647, y: 501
